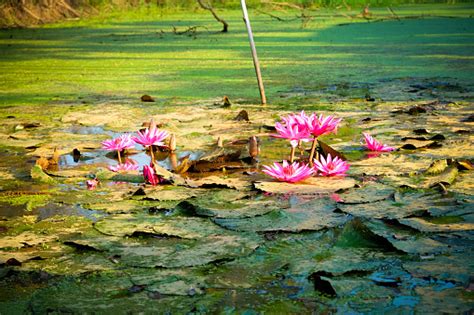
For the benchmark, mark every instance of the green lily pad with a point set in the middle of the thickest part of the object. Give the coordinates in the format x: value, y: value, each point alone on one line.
x: 389, y: 164
x: 370, y: 192
x: 310, y: 216
x: 403, y: 204
x: 455, y: 267
x: 39, y: 175
x: 128, y: 206
x: 425, y: 226
x: 220, y: 205
x: 310, y: 186
x: 180, y: 227
x: 406, y: 240
x: 449, y: 301
x: 216, y: 181
x: 171, y: 193
x: 161, y: 241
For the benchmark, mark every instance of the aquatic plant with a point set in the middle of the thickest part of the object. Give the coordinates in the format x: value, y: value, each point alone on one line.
x: 150, y: 175
x: 290, y: 173
x: 129, y: 165
x: 294, y: 130
x: 330, y: 166
x: 92, y: 183
x: 374, y: 145
x: 318, y: 126
x: 151, y: 136
x: 118, y: 144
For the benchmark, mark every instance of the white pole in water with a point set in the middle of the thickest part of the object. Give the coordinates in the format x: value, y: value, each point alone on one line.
x: 254, y: 53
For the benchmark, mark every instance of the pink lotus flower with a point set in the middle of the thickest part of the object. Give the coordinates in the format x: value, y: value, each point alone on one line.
x: 300, y: 119
x: 292, y: 131
x: 150, y: 176
x: 151, y: 136
x: 129, y: 165
x: 374, y: 145
x: 92, y: 183
x: 290, y: 173
x: 118, y: 144
x: 331, y: 166
x: 318, y: 126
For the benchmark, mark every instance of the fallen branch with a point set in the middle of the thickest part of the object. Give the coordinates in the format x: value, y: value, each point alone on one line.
x: 211, y: 9
x: 275, y: 16
x: 283, y: 4
x: 189, y: 31
x: 393, y: 13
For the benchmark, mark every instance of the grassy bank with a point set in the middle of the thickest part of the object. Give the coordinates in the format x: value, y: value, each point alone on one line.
x: 122, y: 56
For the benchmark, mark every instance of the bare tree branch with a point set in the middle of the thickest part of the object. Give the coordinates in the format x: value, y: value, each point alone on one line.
x: 211, y: 9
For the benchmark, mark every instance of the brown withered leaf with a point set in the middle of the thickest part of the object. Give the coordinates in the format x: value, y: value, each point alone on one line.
x: 147, y: 98
x: 42, y: 162
x: 310, y: 186
x: 243, y: 115
x: 437, y: 167
x: 324, y: 149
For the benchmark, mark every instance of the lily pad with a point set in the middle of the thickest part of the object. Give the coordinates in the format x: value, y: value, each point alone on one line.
x: 405, y: 240
x: 171, y: 193
x: 127, y: 206
x: 370, y: 192
x: 216, y: 181
x: 167, y: 242
x: 242, y: 209
x: 310, y: 186
x: 389, y: 164
x: 183, y: 227
x: 314, y: 215
x: 230, y: 205
x: 402, y: 205
x: 455, y: 267
x: 425, y: 226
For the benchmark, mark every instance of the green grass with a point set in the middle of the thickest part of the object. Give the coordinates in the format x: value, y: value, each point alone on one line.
x: 127, y: 55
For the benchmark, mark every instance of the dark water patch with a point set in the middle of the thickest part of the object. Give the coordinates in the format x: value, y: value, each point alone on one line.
x: 53, y: 209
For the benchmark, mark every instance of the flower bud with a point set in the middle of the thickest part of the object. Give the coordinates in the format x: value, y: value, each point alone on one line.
x: 254, y: 148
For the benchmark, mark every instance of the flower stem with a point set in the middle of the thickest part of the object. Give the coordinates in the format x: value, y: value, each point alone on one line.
x: 313, y: 149
x: 292, y: 154
x: 119, y: 158
x: 151, y: 154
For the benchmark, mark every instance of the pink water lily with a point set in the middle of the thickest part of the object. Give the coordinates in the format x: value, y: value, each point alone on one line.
x: 150, y: 175
x: 290, y: 173
x: 374, y: 145
x: 92, y: 183
x: 151, y: 136
x: 330, y: 166
x: 118, y: 144
x: 292, y: 131
x: 320, y: 125
x: 301, y: 120
x: 129, y: 165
